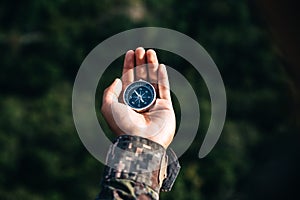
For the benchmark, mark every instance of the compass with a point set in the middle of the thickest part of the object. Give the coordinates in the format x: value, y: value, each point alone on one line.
x: 139, y: 95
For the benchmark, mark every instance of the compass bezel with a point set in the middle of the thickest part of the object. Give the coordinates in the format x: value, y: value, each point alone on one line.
x: 137, y: 84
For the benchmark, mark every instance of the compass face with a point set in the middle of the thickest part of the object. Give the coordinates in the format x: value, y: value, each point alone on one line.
x: 139, y: 95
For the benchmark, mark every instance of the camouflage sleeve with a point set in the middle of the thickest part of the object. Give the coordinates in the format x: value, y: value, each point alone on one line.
x: 137, y: 168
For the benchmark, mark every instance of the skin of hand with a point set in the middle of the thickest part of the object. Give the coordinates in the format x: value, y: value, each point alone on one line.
x: 156, y: 124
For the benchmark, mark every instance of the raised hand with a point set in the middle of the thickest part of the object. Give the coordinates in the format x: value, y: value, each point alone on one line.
x: 157, y: 123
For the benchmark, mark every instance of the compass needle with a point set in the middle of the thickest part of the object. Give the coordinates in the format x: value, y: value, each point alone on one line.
x: 137, y: 91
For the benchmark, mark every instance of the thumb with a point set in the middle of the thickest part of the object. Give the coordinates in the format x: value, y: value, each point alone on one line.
x: 112, y: 93
x: 117, y: 88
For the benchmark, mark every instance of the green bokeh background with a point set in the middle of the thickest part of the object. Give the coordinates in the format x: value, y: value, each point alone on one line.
x: 42, y: 45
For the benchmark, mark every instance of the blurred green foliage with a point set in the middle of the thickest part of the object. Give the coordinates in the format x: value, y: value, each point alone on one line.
x: 42, y: 45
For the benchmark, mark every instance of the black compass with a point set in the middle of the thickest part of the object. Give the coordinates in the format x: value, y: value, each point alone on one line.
x: 139, y: 95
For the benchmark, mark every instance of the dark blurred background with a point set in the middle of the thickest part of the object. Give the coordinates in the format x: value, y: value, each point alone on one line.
x: 255, y: 44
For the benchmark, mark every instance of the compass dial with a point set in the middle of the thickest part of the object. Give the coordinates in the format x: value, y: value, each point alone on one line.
x: 139, y: 95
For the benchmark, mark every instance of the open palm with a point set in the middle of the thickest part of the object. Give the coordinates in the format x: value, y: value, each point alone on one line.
x: 157, y: 123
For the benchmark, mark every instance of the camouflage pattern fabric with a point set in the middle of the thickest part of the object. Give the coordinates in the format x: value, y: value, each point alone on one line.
x: 121, y: 189
x: 136, y: 168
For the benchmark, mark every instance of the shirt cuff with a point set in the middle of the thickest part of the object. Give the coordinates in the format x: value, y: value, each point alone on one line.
x: 141, y: 160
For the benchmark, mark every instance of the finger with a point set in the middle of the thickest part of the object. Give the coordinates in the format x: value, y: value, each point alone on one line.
x: 140, y: 59
x: 112, y: 93
x: 163, y: 83
x: 152, y: 67
x: 128, y: 69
